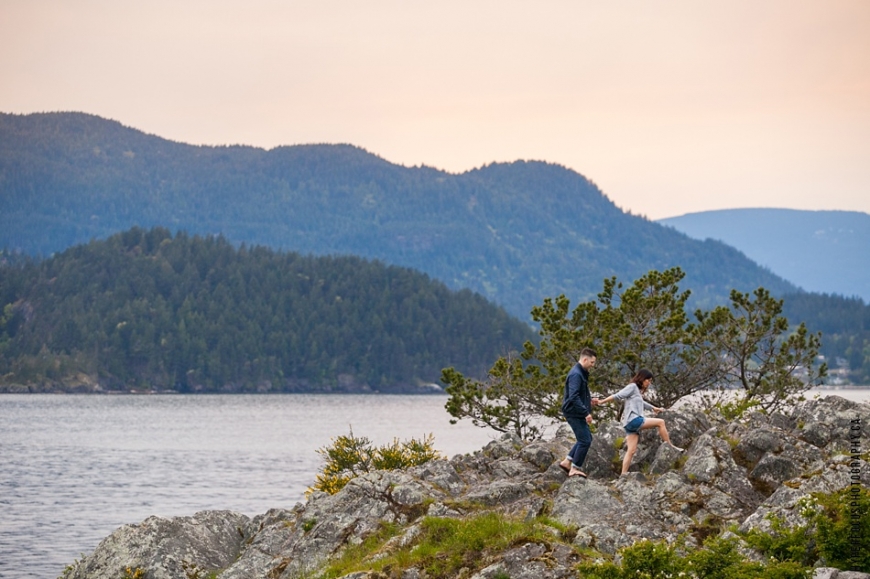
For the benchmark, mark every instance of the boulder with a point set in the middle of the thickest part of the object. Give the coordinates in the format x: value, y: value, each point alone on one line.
x: 685, y: 425
x: 167, y: 548
x: 755, y: 443
x: 771, y: 471
x: 829, y: 421
x: 666, y: 457
x: 500, y: 492
x: 533, y: 561
x: 441, y: 474
x: 582, y: 502
x: 835, y: 475
x: 831, y: 573
x: 708, y: 457
x: 327, y: 523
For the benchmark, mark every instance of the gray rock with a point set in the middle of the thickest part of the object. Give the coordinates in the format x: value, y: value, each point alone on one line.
x: 771, y: 471
x: 329, y: 522
x: 167, y: 548
x: 782, y: 503
x: 512, y: 468
x: 707, y: 457
x: 437, y: 509
x: 634, y: 490
x: 685, y: 425
x: 506, y: 445
x: 603, y: 538
x: 722, y: 504
x: 441, y: 474
x: 756, y: 443
x: 584, y: 502
x: 500, y: 492
x: 832, y: 573
x: 734, y: 483
x: 665, y: 458
x: 828, y: 421
x: 404, y: 540
x: 270, y: 531
x: 541, y: 454
x: 532, y: 561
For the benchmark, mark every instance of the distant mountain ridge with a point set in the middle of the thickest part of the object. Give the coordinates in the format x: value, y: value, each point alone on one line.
x: 820, y: 251
x: 514, y: 232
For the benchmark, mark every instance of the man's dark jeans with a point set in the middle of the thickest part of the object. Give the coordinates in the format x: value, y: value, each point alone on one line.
x: 584, y: 440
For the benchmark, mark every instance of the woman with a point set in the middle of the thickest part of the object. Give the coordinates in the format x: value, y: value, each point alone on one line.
x: 633, y: 419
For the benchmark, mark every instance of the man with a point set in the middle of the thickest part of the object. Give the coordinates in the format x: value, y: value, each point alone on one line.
x: 577, y: 408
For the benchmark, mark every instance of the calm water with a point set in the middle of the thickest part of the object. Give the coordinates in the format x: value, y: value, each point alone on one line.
x: 74, y: 468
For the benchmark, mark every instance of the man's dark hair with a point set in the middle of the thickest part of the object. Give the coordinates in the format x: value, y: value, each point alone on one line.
x: 588, y: 353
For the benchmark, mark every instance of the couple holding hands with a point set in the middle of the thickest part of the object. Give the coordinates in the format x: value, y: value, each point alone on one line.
x: 577, y: 409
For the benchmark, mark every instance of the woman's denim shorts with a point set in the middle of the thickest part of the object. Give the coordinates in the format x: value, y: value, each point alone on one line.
x: 634, y: 425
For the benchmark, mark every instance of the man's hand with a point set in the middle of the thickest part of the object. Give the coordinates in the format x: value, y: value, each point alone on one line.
x: 588, y: 419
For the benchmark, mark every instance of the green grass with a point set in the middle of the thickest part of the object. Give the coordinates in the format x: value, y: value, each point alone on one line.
x: 446, y: 545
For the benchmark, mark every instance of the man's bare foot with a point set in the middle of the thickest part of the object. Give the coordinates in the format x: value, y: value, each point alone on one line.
x: 575, y: 472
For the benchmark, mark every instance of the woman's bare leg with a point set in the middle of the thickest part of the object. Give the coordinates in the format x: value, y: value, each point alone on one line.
x: 631, y: 440
x: 663, y: 430
x: 657, y: 423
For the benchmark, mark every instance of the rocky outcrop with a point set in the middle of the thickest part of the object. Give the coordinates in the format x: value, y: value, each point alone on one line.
x: 731, y: 473
x: 168, y: 548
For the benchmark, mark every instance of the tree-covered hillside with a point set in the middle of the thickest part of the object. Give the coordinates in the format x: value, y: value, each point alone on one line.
x: 146, y: 309
x: 516, y: 233
x: 845, y: 327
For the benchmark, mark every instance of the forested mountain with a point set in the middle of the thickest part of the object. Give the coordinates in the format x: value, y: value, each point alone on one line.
x: 146, y: 309
x: 516, y: 233
x: 820, y: 251
x: 845, y: 327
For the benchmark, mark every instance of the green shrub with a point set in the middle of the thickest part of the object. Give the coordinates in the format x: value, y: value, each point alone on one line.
x: 737, y: 407
x: 350, y: 456
x: 133, y: 573
x: 837, y: 531
x: 652, y: 560
x: 785, y: 542
x: 844, y: 529
x: 718, y: 558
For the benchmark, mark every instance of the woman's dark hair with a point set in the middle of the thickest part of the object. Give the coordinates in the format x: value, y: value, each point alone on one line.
x: 642, y: 374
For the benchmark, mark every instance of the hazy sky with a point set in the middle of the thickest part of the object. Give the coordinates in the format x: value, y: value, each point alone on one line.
x: 669, y: 106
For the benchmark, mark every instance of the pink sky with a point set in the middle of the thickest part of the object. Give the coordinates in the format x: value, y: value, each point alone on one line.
x: 669, y: 106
